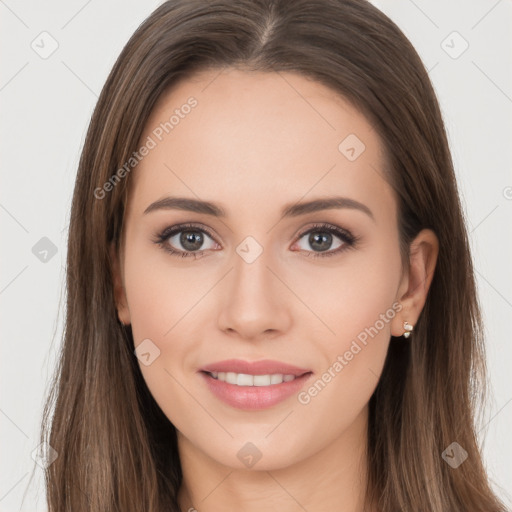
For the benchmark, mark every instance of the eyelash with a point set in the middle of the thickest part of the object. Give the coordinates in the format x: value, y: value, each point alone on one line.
x: 350, y: 241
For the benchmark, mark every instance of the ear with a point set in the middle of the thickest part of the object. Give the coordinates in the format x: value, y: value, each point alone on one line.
x: 123, y: 312
x: 413, y: 290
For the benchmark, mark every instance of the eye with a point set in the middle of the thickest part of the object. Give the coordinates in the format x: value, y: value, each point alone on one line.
x: 188, y: 238
x: 321, y: 238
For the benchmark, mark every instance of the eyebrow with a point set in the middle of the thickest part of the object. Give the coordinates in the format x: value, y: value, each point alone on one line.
x: 289, y: 210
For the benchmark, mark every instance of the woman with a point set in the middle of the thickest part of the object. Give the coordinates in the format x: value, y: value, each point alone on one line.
x: 271, y: 300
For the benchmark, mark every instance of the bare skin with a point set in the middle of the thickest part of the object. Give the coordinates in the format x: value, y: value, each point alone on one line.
x: 254, y: 143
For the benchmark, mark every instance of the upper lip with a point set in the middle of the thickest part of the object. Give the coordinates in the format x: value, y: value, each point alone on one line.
x: 265, y: 367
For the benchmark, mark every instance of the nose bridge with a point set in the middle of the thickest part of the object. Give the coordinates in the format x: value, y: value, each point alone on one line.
x: 251, y: 273
x: 251, y: 280
x: 252, y: 301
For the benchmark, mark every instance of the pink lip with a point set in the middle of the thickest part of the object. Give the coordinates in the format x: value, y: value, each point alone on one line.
x: 265, y: 367
x: 254, y: 397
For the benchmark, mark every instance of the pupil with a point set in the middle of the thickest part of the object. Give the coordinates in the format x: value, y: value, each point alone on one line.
x: 191, y: 240
x: 321, y: 242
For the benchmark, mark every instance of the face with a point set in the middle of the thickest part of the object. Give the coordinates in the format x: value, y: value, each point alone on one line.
x: 308, y: 292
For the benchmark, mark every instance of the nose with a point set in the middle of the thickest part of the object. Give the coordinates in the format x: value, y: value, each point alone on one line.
x: 254, y: 302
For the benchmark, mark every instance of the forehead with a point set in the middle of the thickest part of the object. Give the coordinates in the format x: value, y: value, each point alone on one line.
x: 254, y: 136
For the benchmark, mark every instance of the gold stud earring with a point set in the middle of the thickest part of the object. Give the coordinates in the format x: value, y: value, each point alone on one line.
x: 408, y: 328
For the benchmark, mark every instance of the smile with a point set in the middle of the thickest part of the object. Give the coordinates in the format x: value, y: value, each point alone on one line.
x: 244, y: 379
x: 253, y: 385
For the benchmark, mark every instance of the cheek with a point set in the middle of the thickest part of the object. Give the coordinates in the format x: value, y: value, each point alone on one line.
x: 354, y: 359
x: 352, y: 298
x: 159, y: 296
x: 162, y: 305
x: 357, y: 302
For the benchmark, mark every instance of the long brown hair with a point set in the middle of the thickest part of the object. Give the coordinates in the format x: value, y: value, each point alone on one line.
x: 116, y: 449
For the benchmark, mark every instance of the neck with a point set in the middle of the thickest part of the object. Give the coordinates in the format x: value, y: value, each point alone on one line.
x: 331, y: 479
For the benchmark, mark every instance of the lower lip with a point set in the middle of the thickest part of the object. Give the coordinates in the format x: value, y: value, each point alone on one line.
x: 254, y: 397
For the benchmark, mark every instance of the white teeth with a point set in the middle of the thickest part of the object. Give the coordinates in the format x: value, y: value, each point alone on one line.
x: 262, y: 380
x: 276, y: 379
x: 243, y: 379
x: 231, y: 377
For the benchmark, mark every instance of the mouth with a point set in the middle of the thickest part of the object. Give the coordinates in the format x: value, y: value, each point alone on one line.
x: 253, y: 385
x: 245, y: 379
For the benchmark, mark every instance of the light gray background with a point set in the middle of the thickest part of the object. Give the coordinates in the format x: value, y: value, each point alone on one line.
x: 46, y: 105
